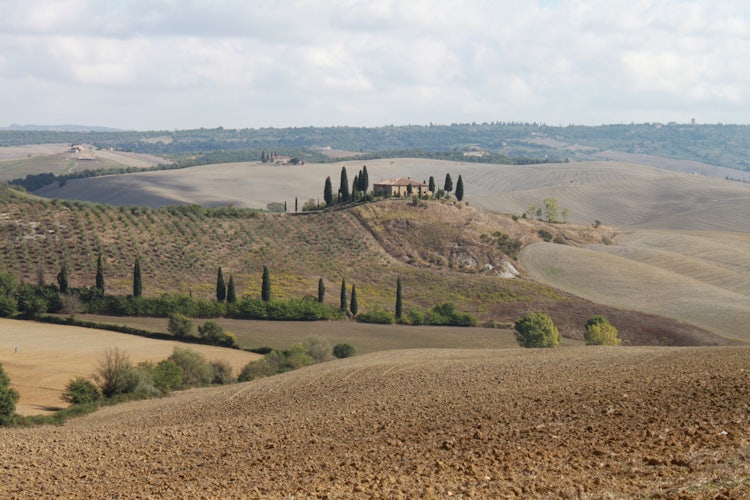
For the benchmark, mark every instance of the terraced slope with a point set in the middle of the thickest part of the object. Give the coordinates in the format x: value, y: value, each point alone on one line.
x: 579, y: 422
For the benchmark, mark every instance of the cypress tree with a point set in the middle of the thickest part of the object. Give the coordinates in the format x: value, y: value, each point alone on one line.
x: 364, y: 180
x: 431, y: 185
x: 353, y: 306
x: 231, y: 294
x: 321, y: 290
x: 448, y: 183
x: 265, y: 290
x: 344, y: 186
x: 342, y: 308
x: 296, y: 205
x: 62, y: 278
x: 137, y: 279
x: 100, y: 276
x: 460, y: 188
x: 328, y: 192
x: 221, y: 288
x: 353, y: 196
x: 399, y: 302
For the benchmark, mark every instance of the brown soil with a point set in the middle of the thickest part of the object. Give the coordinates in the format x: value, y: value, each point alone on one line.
x: 578, y: 422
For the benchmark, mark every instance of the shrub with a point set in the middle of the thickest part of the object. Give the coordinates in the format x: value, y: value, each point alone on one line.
x: 377, y: 315
x: 8, y: 399
x: 545, y: 235
x: 180, y: 325
x: 196, y: 371
x: 343, y: 351
x: 211, y: 331
x: 599, y: 331
x: 536, y: 329
x: 222, y: 372
x: 166, y: 375
x: 296, y: 357
x: 271, y: 364
x: 318, y: 348
x: 415, y: 317
x: 446, y: 314
x: 116, y: 375
x: 81, y: 391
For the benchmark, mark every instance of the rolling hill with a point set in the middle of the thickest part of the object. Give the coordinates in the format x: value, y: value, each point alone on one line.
x: 686, y: 213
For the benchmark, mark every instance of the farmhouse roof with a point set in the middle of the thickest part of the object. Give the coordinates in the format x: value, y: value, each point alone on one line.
x: 401, y: 181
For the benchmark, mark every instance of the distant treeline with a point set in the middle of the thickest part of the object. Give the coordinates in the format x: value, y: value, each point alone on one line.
x: 718, y: 144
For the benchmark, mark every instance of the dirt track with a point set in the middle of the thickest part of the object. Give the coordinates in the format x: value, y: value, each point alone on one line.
x: 580, y: 422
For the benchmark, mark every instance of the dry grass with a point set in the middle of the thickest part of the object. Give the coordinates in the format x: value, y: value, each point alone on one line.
x: 699, y: 279
x: 49, y: 356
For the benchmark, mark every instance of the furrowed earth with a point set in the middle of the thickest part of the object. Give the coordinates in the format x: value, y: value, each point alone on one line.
x: 578, y: 422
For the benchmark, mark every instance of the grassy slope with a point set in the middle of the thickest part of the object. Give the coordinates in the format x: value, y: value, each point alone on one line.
x: 436, y: 249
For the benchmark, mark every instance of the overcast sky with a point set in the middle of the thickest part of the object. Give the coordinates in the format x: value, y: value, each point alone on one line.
x: 179, y: 64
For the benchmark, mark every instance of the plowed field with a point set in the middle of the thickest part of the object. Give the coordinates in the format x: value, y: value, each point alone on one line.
x: 579, y: 422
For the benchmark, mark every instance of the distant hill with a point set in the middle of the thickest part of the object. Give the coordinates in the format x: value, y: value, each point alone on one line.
x: 61, y: 128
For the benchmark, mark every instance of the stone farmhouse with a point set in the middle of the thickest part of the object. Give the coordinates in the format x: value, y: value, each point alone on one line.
x: 400, y: 186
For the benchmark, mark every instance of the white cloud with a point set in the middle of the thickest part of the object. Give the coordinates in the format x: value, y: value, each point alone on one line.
x: 191, y: 63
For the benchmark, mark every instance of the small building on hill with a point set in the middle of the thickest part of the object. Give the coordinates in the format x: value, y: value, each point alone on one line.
x: 400, y: 186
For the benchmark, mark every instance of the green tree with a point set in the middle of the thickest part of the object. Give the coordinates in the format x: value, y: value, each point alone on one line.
x: 431, y: 185
x: 328, y: 192
x: 399, y: 300
x: 196, y: 370
x: 565, y: 213
x: 536, y: 329
x: 353, y: 305
x: 221, y: 288
x: 62, y: 278
x: 321, y: 290
x: 265, y: 289
x: 137, y: 279
x: 343, y: 304
x: 344, y: 186
x: 599, y: 331
x: 231, y: 292
x: 460, y: 188
x: 448, y: 186
x: 100, y: 276
x: 8, y: 399
x: 550, y: 210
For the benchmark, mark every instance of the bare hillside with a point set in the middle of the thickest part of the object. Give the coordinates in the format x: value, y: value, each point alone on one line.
x: 701, y: 279
x: 562, y: 423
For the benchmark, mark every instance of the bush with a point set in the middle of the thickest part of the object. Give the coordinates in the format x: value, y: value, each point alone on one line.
x: 270, y: 365
x: 166, y: 375
x: 196, y: 371
x: 296, y: 357
x: 222, y: 373
x: 415, y: 317
x: 8, y: 399
x: 180, y: 325
x: 545, y: 235
x: 343, y: 351
x: 81, y: 391
x: 116, y: 375
x: 599, y: 331
x: 318, y: 348
x: 211, y: 331
x: 536, y: 330
x: 446, y: 314
x: 377, y: 315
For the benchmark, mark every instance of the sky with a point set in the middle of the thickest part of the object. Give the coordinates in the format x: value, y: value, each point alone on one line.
x: 182, y: 64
